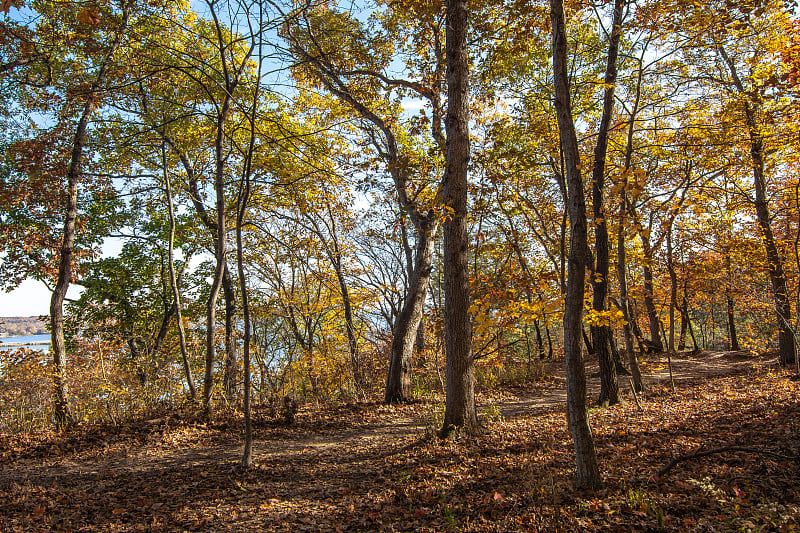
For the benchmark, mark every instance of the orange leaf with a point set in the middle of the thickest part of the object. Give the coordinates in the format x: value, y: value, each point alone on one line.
x: 89, y: 16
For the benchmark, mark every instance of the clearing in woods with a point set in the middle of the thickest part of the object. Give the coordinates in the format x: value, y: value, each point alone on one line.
x: 369, y: 467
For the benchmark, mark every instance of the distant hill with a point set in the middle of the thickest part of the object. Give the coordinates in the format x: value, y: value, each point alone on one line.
x: 18, y: 326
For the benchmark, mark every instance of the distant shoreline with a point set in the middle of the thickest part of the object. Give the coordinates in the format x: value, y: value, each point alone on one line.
x: 22, y: 326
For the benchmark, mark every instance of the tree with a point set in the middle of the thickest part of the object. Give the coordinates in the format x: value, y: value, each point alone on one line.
x: 62, y: 414
x: 345, y: 59
x: 777, y: 276
x: 460, y: 405
x: 578, y: 418
x: 601, y: 331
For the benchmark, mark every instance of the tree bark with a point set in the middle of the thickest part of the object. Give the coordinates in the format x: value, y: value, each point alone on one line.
x: 231, y: 78
x: 673, y: 289
x: 173, y: 281
x: 649, y: 299
x: 219, y: 254
x: 588, y: 473
x: 601, y: 334
x: 459, y: 410
x: 629, y: 328
x: 732, y: 335
x: 61, y: 412
x: 688, y: 321
x: 539, y: 342
x: 230, y: 371
x: 398, y: 381
x: 780, y: 294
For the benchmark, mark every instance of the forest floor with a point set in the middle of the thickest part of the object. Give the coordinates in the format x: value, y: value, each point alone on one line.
x: 369, y: 467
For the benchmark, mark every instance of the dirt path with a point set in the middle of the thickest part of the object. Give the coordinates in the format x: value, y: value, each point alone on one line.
x: 389, y: 424
x: 687, y: 370
x: 344, y: 466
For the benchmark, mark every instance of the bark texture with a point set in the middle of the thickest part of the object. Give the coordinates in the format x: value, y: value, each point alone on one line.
x: 588, y: 473
x: 601, y: 334
x: 398, y: 380
x: 173, y: 281
x: 460, y: 404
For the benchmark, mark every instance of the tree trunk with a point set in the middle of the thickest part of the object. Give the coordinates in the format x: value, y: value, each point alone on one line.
x: 588, y: 473
x: 459, y: 410
x: 334, y: 254
x: 682, y: 336
x: 398, y: 381
x: 673, y: 289
x: 420, y: 342
x: 539, y: 343
x: 61, y: 412
x: 219, y: 254
x: 780, y: 294
x: 601, y: 334
x: 230, y: 365
x: 352, y: 342
x: 688, y: 321
x: 173, y: 282
x: 733, y: 337
x: 587, y: 341
x: 629, y: 329
x: 243, y: 199
x: 649, y: 302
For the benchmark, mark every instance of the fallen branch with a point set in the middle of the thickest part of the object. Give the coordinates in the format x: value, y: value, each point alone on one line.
x: 635, y: 396
x: 706, y: 453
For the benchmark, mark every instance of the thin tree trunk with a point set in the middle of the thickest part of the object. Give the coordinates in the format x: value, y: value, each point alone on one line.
x: 601, y: 334
x: 780, y: 294
x: 247, y: 454
x: 335, y: 257
x: 629, y: 328
x: 243, y: 199
x: 539, y: 343
x: 733, y: 337
x: 588, y: 473
x: 649, y: 300
x: 459, y: 410
x: 173, y: 281
x: 220, y: 267
x: 230, y: 366
x: 61, y: 411
x: 587, y: 341
x: 231, y: 81
x: 689, y: 323
x: 684, y: 321
x: 673, y: 289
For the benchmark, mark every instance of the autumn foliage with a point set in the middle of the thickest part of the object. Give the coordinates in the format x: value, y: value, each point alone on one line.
x: 273, y: 177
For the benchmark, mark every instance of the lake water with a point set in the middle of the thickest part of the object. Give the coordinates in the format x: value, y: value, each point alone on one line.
x: 27, y: 339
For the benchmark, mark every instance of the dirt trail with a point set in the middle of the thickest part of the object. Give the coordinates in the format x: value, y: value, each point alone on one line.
x: 391, y: 424
x: 687, y: 369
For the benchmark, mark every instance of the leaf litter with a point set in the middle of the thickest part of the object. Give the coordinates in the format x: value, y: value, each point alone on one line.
x: 369, y: 467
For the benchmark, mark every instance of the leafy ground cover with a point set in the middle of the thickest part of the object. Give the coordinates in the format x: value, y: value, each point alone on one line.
x: 368, y: 467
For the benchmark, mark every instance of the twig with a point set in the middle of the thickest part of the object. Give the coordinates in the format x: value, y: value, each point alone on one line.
x: 635, y: 396
x: 706, y: 453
